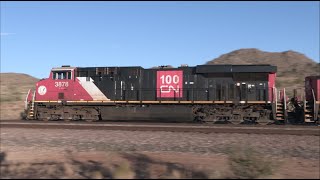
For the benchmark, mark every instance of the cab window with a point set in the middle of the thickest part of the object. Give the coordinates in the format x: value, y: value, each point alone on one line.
x: 61, y: 75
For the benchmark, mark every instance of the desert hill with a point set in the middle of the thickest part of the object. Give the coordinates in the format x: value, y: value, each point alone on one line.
x: 292, y: 66
x: 14, y: 88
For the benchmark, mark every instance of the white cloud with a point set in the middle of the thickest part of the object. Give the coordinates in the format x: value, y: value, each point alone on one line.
x: 6, y: 34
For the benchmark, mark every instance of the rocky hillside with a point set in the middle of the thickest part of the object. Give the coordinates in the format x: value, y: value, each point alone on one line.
x: 292, y: 66
x: 14, y: 88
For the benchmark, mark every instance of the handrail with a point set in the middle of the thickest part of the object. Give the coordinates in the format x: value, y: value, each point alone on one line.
x: 275, y: 103
x: 313, y: 96
x: 304, y: 105
x: 34, y: 96
x: 276, y: 96
x: 26, y: 101
x: 285, y: 104
x: 314, y: 104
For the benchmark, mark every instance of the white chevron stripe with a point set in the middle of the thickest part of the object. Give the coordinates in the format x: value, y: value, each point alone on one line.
x: 92, y: 89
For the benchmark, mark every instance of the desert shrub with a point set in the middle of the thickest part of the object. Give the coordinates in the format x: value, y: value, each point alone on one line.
x: 123, y: 171
x: 279, y: 83
x: 245, y: 163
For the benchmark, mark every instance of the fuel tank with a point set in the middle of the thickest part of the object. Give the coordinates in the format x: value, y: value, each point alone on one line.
x: 172, y: 113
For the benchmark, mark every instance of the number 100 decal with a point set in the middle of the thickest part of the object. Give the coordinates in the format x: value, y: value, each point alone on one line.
x: 169, y: 84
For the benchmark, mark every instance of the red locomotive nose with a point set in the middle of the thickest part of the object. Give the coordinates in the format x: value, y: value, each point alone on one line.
x: 62, y: 85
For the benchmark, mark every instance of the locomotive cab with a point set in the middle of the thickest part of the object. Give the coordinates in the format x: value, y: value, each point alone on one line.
x: 63, y: 84
x: 55, y: 88
x: 61, y: 88
x: 62, y: 78
x: 58, y: 86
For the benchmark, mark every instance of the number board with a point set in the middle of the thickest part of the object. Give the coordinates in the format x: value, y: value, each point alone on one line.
x: 169, y: 84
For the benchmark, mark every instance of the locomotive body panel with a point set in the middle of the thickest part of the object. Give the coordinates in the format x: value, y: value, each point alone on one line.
x: 200, y: 83
x: 219, y: 92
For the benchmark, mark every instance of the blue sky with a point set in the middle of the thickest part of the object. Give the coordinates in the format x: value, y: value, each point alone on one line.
x: 36, y: 36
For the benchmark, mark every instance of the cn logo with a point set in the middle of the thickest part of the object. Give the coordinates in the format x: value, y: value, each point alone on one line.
x: 169, y: 84
x: 42, y: 90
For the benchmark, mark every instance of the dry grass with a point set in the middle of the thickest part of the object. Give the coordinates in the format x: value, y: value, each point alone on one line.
x: 11, y: 110
x: 240, y: 164
x: 127, y: 166
x: 246, y: 163
x: 14, y: 88
x: 123, y: 171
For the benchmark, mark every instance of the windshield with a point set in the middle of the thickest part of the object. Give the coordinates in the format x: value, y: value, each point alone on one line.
x: 61, y: 75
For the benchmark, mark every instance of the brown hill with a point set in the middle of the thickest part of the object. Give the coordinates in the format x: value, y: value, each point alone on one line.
x: 14, y: 88
x: 293, y: 67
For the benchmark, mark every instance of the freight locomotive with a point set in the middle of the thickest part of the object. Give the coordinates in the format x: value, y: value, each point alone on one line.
x: 203, y: 93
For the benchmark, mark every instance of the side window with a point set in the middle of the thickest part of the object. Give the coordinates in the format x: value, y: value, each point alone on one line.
x: 69, y: 75
x: 61, y: 75
x: 54, y: 75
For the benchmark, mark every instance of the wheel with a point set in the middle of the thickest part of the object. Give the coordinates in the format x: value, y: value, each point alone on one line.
x: 236, y: 122
x: 264, y: 123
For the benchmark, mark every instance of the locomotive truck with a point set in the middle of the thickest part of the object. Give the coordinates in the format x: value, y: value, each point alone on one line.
x: 203, y: 93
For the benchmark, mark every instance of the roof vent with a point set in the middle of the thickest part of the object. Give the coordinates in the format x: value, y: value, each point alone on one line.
x: 163, y: 66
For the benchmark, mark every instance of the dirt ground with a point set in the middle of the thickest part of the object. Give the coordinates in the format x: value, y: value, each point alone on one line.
x: 61, y: 153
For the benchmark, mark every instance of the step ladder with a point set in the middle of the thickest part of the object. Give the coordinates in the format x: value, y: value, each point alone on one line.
x: 280, y: 116
x: 308, y: 111
x: 30, y: 114
x: 310, y: 114
x: 281, y: 106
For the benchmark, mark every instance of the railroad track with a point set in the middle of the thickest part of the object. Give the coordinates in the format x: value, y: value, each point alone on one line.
x: 169, y: 127
x: 154, y: 122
